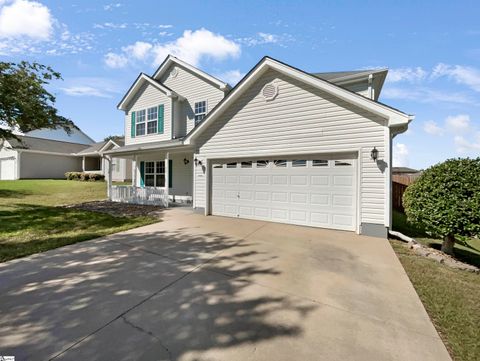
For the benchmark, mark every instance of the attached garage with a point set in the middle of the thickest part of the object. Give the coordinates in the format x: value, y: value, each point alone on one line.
x: 308, y: 190
x: 7, y: 168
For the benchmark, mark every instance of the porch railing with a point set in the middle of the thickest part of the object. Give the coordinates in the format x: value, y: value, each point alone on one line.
x: 138, y: 195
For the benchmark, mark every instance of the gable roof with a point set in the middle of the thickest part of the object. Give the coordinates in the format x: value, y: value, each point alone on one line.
x: 170, y: 59
x: 98, y: 147
x: 142, y: 79
x: 394, y: 117
x: 46, y: 145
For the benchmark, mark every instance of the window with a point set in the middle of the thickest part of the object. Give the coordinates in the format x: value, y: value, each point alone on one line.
x: 218, y: 166
x: 299, y: 163
x: 155, y: 174
x: 262, y: 163
x: 247, y: 164
x: 140, y: 120
x: 320, y: 163
x: 280, y: 163
x: 152, y: 118
x: 231, y: 165
x: 200, y: 111
x: 342, y: 163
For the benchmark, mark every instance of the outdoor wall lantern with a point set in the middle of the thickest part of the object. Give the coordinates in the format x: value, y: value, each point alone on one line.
x: 185, y: 161
x: 374, y: 154
x: 197, y: 162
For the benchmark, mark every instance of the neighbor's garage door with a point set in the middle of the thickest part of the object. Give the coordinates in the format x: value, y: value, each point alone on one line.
x: 7, y: 169
x: 312, y: 191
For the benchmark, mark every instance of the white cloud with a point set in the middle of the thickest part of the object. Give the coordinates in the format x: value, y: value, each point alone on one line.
x: 192, y: 47
x: 23, y: 18
x: 109, y: 25
x: 464, y: 146
x: 458, y: 123
x: 265, y: 38
x: 92, y: 86
x: 400, y: 155
x: 112, y: 6
x: 115, y: 61
x: 232, y: 77
x: 426, y: 95
x: 464, y: 75
x: 406, y: 74
x: 139, y: 50
x: 85, y: 91
x: 432, y: 128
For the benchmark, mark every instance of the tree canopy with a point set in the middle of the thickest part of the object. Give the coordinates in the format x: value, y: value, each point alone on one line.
x: 25, y: 104
x: 445, y: 200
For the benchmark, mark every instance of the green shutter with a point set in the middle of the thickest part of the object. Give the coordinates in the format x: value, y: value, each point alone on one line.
x: 160, y: 119
x: 142, y: 174
x: 170, y: 173
x: 132, y: 129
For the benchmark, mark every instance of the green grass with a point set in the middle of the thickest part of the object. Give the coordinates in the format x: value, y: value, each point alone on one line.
x: 467, y: 251
x: 451, y: 298
x: 32, y: 219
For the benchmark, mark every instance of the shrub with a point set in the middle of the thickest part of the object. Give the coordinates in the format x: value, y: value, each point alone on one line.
x: 81, y: 176
x: 445, y: 200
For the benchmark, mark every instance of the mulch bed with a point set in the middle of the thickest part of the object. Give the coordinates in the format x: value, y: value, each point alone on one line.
x: 117, y: 209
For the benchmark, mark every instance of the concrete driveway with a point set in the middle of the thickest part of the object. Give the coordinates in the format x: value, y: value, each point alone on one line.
x: 211, y: 288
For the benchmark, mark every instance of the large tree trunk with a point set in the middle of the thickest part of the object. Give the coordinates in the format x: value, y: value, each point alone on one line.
x: 448, y: 243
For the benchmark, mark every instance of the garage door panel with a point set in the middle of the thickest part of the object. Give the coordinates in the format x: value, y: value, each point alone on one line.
x: 321, y: 196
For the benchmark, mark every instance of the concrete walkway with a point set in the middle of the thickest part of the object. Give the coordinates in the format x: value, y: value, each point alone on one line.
x: 211, y: 288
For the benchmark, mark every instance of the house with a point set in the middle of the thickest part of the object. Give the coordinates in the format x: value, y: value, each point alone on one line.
x: 283, y: 145
x: 47, y: 153
x: 33, y: 157
x: 94, y: 162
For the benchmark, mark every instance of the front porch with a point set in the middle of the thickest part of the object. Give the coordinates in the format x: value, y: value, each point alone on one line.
x: 161, y: 178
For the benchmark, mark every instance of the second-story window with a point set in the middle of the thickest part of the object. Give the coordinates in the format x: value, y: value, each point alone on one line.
x: 200, y: 111
x: 140, y: 120
x: 152, y: 118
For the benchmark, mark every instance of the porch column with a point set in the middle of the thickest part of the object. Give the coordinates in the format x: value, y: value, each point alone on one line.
x: 134, y: 171
x: 83, y: 164
x: 167, y: 177
x: 109, y: 177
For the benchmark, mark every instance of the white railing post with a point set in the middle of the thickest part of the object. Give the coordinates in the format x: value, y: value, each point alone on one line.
x: 109, y: 177
x: 167, y: 177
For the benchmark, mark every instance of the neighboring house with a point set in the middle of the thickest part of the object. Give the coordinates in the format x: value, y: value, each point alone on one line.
x: 94, y: 162
x: 44, y: 154
x: 38, y: 158
x: 283, y: 145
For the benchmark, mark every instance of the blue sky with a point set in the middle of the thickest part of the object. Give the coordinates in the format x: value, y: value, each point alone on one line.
x: 432, y: 49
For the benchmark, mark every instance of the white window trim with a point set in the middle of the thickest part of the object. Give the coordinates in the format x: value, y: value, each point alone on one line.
x: 204, y: 114
x: 146, y: 121
x: 154, y: 173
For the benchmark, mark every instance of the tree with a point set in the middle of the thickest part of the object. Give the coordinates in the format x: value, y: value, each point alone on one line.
x: 25, y: 104
x: 112, y: 137
x: 445, y: 200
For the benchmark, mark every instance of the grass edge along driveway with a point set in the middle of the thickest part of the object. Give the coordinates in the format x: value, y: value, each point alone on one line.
x: 32, y: 218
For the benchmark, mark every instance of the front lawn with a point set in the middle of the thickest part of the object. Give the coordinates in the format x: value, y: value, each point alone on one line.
x: 451, y: 297
x: 33, y: 220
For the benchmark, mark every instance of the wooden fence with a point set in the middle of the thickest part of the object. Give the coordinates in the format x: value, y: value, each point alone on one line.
x: 397, y: 193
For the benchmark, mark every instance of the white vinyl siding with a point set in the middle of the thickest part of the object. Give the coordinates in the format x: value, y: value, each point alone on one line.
x: 148, y: 96
x: 194, y: 89
x: 301, y: 120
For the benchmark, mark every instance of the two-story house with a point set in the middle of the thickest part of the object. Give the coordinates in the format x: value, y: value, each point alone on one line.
x: 283, y: 145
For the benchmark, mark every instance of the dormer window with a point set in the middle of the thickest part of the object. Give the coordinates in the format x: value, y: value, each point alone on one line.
x: 200, y: 111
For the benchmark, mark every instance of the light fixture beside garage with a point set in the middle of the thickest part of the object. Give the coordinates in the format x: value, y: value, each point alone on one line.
x: 374, y: 154
x: 197, y: 162
x: 185, y: 161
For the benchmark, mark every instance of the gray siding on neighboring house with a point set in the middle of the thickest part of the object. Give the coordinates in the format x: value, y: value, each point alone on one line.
x: 35, y: 165
x: 194, y: 89
x: 148, y: 96
x: 301, y: 120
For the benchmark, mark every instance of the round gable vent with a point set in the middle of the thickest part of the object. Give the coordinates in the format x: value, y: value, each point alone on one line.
x: 174, y: 73
x: 270, y: 91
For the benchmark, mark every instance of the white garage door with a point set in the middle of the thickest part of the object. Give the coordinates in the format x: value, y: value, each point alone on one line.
x: 7, y: 169
x: 313, y: 191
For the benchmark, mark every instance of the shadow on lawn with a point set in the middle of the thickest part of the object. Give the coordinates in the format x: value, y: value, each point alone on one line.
x: 10, y: 193
x: 28, y: 228
x: 468, y: 255
x: 157, y: 305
